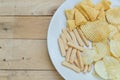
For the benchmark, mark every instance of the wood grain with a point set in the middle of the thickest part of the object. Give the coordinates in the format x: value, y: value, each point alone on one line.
x: 24, y: 54
x: 24, y: 27
x: 29, y: 75
x: 29, y: 7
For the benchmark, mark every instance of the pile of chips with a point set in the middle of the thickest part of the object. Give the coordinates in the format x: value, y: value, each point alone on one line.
x: 99, y: 24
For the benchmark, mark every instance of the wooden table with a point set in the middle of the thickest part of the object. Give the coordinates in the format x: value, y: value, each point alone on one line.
x: 23, y: 33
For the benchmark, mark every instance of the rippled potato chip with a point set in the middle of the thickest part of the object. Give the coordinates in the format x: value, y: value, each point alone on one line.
x: 87, y: 56
x: 104, y: 4
x: 115, y: 48
x: 97, y: 57
x: 96, y: 31
x: 100, y: 69
x: 113, y: 31
x: 71, y: 24
x: 113, y: 67
x: 70, y: 14
x: 113, y: 15
x: 108, y: 60
x: 79, y: 18
x: 116, y: 36
x: 102, y: 49
x: 114, y: 72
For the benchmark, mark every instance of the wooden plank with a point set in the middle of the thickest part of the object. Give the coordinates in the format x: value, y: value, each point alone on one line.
x: 29, y: 7
x: 24, y: 27
x: 24, y: 54
x: 30, y: 75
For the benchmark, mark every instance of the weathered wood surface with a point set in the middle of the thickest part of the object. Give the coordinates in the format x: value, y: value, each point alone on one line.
x: 23, y: 44
x: 29, y: 7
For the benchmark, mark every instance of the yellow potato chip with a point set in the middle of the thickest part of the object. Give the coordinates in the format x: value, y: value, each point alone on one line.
x: 96, y: 31
x: 115, y: 48
x: 82, y: 11
x: 70, y: 14
x: 116, y: 36
x: 91, y: 12
x: 84, y: 2
x: 100, y: 69
x: 113, y: 67
x: 101, y: 15
x: 114, y: 72
x: 87, y: 56
x: 105, y: 4
x: 71, y: 24
x: 102, y: 49
x: 113, y: 31
x: 113, y: 15
x: 110, y: 61
x: 118, y: 27
x: 79, y: 18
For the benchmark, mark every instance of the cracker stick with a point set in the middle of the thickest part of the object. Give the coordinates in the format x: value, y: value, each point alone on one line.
x: 75, y: 46
x: 76, y: 62
x: 78, y: 37
x: 80, y: 60
x: 71, y: 66
x: 83, y: 37
x: 85, y: 69
x: 67, y: 35
x: 64, y: 40
x: 73, y: 36
x: 89, y: 67
x: 73, y: 55
x: 61, y: 45
x: 63, y: 37
x: 69, y: 51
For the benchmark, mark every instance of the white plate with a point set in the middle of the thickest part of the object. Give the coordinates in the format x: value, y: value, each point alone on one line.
x: 58, y: 22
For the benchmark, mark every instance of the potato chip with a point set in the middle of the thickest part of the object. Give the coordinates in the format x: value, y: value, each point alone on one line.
x: 115, y: 48
x: 100, y: 69
x: 70, y: 14
x: 97, y: 57
x: 71, y: 24
x: 84, y: 2
x: 116, y: 36
x: 87, y: 56
x: 114, y: 72
x: 113, y: 67
x: 79, y: 18
x: 113, y: 15
x: 110, y: 61
x: 92, y: 13
x: 118, y: 27
x: 101, y: 15
x: 113, y: 31
x: 96, y: 31
x: 105, y: 4
x: 102, y: 50
x: 82, y: 11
